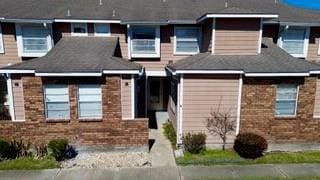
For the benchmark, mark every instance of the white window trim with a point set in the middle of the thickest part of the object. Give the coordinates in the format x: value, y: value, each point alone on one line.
x: 45, y: 104
x: 213, y: 36
x: 306, y: 43
x: 79, y: 34
x: 102, y: 34
x: 157, y: 44
x: 296, y: 106
x: 20, y: 41
x: 175, y: 40
x: 78, y: 103
x: 1, y: 41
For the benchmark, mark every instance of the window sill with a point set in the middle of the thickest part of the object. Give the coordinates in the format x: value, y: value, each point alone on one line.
x: 90, y: 120
x: 285, y: 117
x: 57, y: 120
x: 33, y: 54
x: 145, y: 55
x: 185, y: 54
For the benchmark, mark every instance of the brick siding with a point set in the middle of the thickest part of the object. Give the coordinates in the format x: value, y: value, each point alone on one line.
x: 111, y: 130
x: 258, y: 107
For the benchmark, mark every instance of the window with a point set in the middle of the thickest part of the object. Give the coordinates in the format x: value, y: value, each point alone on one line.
x: 186, y: 40
x: 101, y: 29
x: 286, y: 100
x: 1, y: 41
x: 145, y: 41
x: 57, y: 101
x: 90, y: 101
x: 79, y: 29
x: 34, y: 40
x: 295, y: 40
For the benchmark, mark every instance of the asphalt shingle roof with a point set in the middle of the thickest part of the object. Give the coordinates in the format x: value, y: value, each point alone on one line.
x: 149, y: 10
x: 271, y: 60
x: 79, y: 55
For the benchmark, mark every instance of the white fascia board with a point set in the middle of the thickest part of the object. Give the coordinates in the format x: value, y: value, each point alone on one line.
x: 314, y: 72
x: 86, y: 21
x: 238, y: 16
x: 69, y: 74
x: 11, y: 71
x: 277, y: 74
x: 160, y: 73
x: 121, y: 72
x: 207, y: 72
x: 27, y: 20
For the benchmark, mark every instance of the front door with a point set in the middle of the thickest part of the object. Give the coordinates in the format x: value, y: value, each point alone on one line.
x: 155, y: 94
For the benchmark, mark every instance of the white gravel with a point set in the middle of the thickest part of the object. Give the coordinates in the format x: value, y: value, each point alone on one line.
x: 108, y: 160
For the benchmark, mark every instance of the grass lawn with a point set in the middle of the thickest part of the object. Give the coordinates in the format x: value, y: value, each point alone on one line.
x: 219, y: 157
x: 29, y: 163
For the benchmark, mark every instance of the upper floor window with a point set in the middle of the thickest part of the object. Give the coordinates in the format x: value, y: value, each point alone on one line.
x: 1, y: 41
x: 295, y: 40
x: 286, y: 100
x: 90, y: 101
x: 186, y: 40
x: 57, y: 101
x: 101, y: 29
x: 34, y: 40
x: 145, y: 41
x: 79, y: 29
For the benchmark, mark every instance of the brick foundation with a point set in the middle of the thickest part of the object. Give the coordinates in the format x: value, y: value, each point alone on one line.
x: 258, y: 107
x: 111, y: 130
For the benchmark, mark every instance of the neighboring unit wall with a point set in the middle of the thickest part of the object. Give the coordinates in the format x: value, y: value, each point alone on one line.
x: 111, y: 130
x: 258, y: 111
x: 126, y: 97
x: 313, y: 49
x: 172, y: 104
x: 203, y: 94
x: 317, y: 100
x: 18, y: 98
x: 10, y: 55
x: 237, y: 36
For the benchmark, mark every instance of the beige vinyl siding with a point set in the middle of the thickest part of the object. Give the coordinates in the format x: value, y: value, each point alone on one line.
x: 172, y: 106
x: 10, y: 55
x: 313, y: 49
x: 316, y: 112
x: 201, y: 94
x: 126, y: 97
x: 237, y: 36
x: 18, y: 99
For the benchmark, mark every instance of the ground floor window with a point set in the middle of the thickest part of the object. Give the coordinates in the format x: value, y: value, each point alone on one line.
x: 57, y: 101
x: 286, y: 100
x: 90, y: 101
x: 4, y: 105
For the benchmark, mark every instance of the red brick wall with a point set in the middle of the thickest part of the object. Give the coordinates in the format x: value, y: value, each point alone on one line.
x: 111, y: 130
x: 258, y: 107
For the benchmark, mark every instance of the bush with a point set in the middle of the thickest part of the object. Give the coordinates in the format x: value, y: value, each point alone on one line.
x: 18, y: 148
x: 61, y: 150
x: 194, y: 143
x: 170, y: 133
x: 250, y: 146
x: 4, y: 149
x: 41, y: 150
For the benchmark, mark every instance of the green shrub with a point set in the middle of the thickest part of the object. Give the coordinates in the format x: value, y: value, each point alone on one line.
x: 61, y: 150
x: 194, y: 143
x: 250, y: 146
x: 18, y: 148
x: 170, y: 132
x: 4, y: 149
x: 41, y: 150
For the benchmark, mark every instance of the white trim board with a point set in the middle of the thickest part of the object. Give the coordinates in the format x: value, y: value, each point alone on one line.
x: 238, y: 16
x: 156, y: 73
x: 10, y: 96
x: 69, y: 74
x: 87, y: 21
x: 277, y: 74
x: 132, y: 97
x: 239, y: 105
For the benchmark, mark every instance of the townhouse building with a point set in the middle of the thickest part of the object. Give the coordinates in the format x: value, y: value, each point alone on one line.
x: 94, y: 71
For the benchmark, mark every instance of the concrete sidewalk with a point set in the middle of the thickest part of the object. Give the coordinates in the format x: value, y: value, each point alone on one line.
x: 167, y: 173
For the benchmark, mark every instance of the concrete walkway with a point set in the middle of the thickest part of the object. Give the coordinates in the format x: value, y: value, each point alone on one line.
x: 161, y: 151
x: 287, y: 171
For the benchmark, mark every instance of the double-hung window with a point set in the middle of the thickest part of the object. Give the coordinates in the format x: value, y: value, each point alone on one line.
x: 101, y: 29
x: 57, y: 101
x: 1, y: 41
x: 186, y: 40
x: 89, y: 101
x: 79, y: 29
x: 145, y: 41
x: 286, y: 100
x: 295, y: 40
x: 34, y: 40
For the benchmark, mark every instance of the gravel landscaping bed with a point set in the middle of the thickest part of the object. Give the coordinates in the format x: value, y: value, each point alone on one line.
x: 108, y: 160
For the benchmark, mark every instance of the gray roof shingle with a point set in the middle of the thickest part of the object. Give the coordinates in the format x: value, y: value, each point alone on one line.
x: 271, y: 60
x: 79, y: 55
x: 148, y: 10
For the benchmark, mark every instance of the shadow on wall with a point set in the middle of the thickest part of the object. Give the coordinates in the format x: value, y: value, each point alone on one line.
x: 4, y: 109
